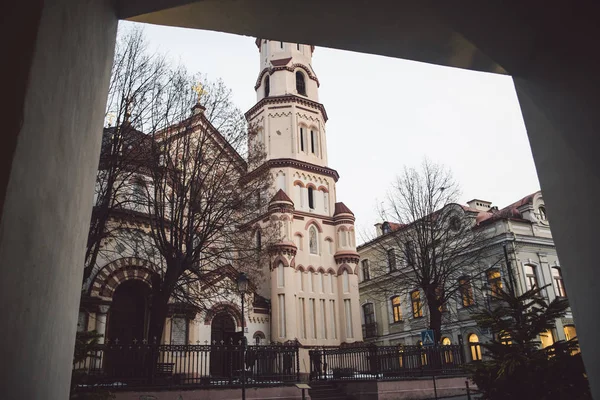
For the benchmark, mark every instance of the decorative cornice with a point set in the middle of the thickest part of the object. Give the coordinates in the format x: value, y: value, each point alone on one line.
x: 283, y: 248
x: 291, y: 98
x: 285, y: 67
x: 346, y: 256
x: 290, y: 162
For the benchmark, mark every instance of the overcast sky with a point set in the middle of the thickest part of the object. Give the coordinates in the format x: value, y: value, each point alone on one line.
x: 385, y: 113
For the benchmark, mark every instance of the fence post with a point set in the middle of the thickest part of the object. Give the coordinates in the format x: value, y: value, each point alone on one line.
x: 434, y: 388
x: 462, y: 350
x: 468, y: 390
x: 297, y: 349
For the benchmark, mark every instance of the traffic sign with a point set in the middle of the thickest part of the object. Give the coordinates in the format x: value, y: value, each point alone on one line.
x: 427, y: 337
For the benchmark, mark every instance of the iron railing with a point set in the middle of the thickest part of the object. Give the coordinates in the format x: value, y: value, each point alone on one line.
x: 368, y: 362
x: 146, y: 365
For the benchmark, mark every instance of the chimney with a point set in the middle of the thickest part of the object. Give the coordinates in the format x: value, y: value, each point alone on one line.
x: 480, y: 205
x: 378, y: 231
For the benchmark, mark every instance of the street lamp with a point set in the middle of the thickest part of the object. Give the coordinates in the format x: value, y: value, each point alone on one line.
x: 486, y: 291
x: 242, y: 284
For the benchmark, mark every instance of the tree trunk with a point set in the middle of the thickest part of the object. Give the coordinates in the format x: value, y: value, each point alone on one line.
x: 158, y: 315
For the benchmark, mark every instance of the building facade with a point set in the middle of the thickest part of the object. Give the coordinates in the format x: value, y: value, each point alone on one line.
x: 310, y: 288
x: 523, y: 227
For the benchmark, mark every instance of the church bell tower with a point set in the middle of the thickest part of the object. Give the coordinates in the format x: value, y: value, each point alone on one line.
x: 313, y: 281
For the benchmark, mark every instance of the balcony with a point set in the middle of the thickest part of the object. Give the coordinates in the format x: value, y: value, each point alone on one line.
x: 370, y: 330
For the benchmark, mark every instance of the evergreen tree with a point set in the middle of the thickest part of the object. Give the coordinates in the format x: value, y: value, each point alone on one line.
x: 517, y: 367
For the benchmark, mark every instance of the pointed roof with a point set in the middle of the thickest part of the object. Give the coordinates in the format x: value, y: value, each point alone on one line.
x: 341, y: 208
x: 281, y: 196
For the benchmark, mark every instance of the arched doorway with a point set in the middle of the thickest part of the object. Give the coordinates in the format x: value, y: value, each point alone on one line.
x: 128, y: 312
x: 224, y: 360
x: 127, y: 324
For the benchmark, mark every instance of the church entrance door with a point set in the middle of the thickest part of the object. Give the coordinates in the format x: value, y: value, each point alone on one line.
x: 224, y: 360
x: 127, y: 325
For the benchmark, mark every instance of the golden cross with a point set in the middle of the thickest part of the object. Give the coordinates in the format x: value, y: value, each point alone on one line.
x: 199, y: 90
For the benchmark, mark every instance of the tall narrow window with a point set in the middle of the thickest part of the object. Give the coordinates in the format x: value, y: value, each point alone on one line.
x: 281, y: 298
x: 346, y: 282
x: 301, y: 139
x: 365, y: 270
x: 313, y: 142
x: 298, y: 46
x: 559, y: 284
x: 343, y: 238
x: 369, y: 313
x: 302, y: 312
x: 322, y: 321
x: 466, y: 292
x: 267, y: 86
x: 332, y: 284
x: 312, y: 240
x: 348, y: 315
x: 300, y: 84
x: 415, y: 298
x: 311, y: 198
x: 320, y: 282
x: 391, y: 259
x: 280, y: 275
x: 281, y: 44
x: 332, y: 318
x: 301, y: 275
x: 475, y: 347
x: 396, y: 309
x: 531, y: 277
x: 494, y: 281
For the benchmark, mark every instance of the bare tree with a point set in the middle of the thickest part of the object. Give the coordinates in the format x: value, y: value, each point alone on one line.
x: 430, y: 245
x: 134, y: 75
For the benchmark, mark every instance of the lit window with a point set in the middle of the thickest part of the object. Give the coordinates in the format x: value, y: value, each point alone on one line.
x: 312, y: 240
x: 475, y: 347
x: 531, y: 277
x: 570, y: 332
x: 448, y: 356
x: 547, y: 339
x: 365, y: 270
x: 494, y: 281
x: 415, y: 298
x: 396, y: 309
x: 466, y: 292
x: 559, y: 284
x: 300, y: 84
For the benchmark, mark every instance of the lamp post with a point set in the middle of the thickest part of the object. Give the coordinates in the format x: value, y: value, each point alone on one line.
x: 242, y: 284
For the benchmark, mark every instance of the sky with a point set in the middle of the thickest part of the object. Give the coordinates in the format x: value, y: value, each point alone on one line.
x: 386, y: 113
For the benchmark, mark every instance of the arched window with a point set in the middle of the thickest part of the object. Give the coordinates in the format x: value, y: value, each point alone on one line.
x: 313, y: 240
x: 417, y: 309
x: 559, y: 284
x: 258, y: 240
x: 542, y: 213
x: 531, y: 277
x: 300, y: 84
x: 446, y: 341
x: 474, y: 347
x: 466, y: 291
x: 494, y: 281
x: 311, y: 198
x: 369, y: 315
x: 396, y: 309
x: 448, y: 356
x: 298, y: 239
x: 267, y: 86
x: 365, y: 270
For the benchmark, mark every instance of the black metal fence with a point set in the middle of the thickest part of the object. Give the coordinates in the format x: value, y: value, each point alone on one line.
x: 145, y: 365
x: 384, y: 362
